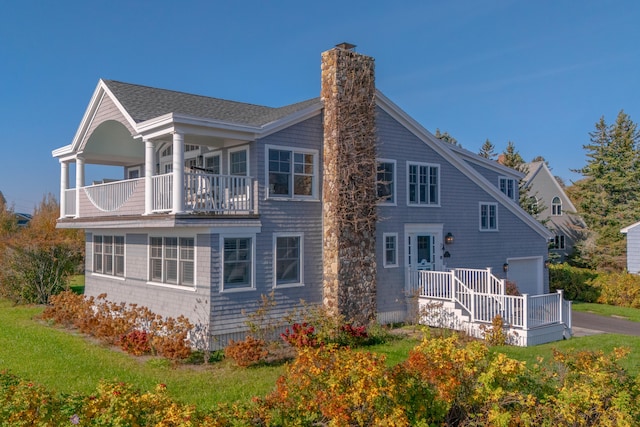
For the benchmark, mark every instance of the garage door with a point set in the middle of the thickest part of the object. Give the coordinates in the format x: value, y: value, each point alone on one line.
x: 526, y: 273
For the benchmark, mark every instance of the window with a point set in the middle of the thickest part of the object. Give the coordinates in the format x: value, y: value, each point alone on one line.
x: 108, y: 255
x: 508, y: 187
x: 212, y: 164
x: 238, y: 162
x: 390, y: 250
x: 237, y: 263
x: 291, y: 173
x: 558, y: 242
x: 423, y: 184
x: 488, y: 216
x: 133, y: 173
x: 556, y: 206
x: 288, y: 260
x: 386, y: 181
x: 171, y: 260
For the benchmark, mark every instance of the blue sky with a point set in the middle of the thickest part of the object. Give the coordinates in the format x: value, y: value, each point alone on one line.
x: 538, y: 73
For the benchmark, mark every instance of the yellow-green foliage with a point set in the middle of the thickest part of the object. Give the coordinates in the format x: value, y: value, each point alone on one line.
x: 621, y: 289
x: 445, y: 381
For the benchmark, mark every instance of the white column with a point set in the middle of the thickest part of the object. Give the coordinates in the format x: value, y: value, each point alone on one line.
x: 178, y: 173
x: 148, y: 174
x: 64, y: 186
x: 79, y: 182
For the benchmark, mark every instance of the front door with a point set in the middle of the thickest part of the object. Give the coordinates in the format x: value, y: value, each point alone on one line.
x: 421, y: 251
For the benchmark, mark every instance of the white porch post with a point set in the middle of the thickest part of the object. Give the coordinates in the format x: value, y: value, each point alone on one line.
x: 148, y: 176
x: 79, y: 182
x: 178, y: 173
x: 64, y: 186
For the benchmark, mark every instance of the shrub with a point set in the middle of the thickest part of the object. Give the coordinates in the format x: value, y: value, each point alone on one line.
x: 574, y: 281
x: 135, y: 342
x: 248, y: 352
x: 300, y: 335
x: 621, y: 289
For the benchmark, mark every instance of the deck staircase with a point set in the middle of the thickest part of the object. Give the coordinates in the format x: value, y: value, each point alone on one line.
x: 469, y: 299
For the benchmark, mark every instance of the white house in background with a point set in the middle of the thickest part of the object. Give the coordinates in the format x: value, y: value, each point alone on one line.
x: 633, y: 247
x: 559, y: 212
x: 219, y: 202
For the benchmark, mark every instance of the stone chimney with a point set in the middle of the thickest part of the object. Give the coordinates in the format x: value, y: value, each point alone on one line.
x: 349, y: 184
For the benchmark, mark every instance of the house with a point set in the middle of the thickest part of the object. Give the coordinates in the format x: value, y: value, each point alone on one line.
x: 557, y: 211
x: 23, y: 219
x: 342, y: 200
x: 633, y: 247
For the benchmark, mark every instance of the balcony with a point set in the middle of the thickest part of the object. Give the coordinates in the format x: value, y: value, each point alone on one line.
x: 202, y: 193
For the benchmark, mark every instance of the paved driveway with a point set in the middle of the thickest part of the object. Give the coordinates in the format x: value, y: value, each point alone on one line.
x: 590, y: 324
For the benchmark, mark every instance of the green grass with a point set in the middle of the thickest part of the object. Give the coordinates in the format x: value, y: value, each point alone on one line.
x: 604, y: 342
x: 608, y: 310
x: 67, y: 362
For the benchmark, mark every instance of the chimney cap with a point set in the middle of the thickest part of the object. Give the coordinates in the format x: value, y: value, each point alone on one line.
x: 346, y: 46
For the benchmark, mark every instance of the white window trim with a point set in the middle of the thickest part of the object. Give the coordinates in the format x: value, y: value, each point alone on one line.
x: 135, y: 168
x: 187, y: 287
x: 515, y: 187
x: 124, y: 255
x: 423, y: 205
x: 554, y: 205
x: 316, y: 175
x: 288, y: 285
x: 487, y: 230
x: 395, y: 182
x: 235, y: 150
x: 211, y: 155
x: 384, y: 250
x: 251, y: 236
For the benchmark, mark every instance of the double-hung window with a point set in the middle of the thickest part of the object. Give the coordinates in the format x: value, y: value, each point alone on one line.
x: 171, y: 260
x: 288, y: 259
x: 558, y: 241
x: 390, y: 253
x: 108, y: 255
x: 386, y: 175
x: 291, y: 173
x: 238, y: 162
x: 488, y: 216
x: 508, y: 187
x: 237, y: 263
x: 423, y: 184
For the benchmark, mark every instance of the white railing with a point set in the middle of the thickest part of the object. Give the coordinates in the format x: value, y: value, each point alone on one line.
x: 218, y: 193
x: 162, y: 192
x: 111, y: 196
x: 521, y: 311
x: 70, y: 202
x: 480, y: 280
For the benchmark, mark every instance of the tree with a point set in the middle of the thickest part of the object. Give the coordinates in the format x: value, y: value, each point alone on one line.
x: 608, y: 198
x: 511, y: 157
x: 487, y: 150
x: 446, y: 138
x: 38, y: 259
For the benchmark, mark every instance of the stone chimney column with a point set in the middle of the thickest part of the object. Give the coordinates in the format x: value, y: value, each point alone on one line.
x: 349, y: 184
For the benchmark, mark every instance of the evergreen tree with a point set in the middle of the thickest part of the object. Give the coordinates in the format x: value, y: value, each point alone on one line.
x: 512, y: 158
x: 487, y: 150
x: 608, y: 197
x: 446, y: 138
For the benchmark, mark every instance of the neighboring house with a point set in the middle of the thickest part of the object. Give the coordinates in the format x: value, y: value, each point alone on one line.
x: 558, y: 213
x: 633, y: 247
x: 23, y: 219
x: 220, y: 202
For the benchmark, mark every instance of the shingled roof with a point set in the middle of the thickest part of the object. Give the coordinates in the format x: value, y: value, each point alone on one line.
x: 144, y: 103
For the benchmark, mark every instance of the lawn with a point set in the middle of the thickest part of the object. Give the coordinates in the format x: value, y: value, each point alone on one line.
x: 608, y: 310
x: 68, y: 362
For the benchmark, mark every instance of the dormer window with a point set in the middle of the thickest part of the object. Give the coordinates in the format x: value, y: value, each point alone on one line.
x: 508, y: 187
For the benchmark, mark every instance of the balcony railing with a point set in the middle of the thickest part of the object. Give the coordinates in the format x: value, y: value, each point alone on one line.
x: 203, y: 193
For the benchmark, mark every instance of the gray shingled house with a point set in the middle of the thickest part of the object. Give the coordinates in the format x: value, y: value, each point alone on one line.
x: 220, y: 202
